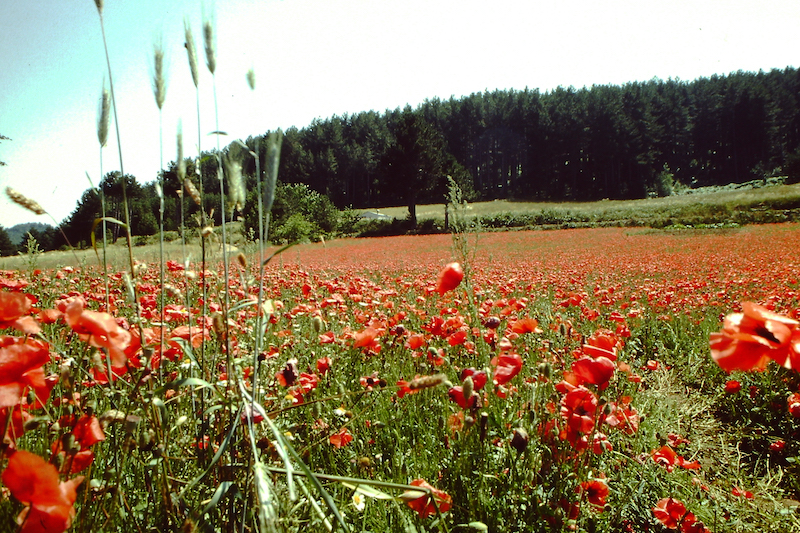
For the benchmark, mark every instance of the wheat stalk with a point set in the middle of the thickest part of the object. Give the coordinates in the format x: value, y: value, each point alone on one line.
x: 23, y: 201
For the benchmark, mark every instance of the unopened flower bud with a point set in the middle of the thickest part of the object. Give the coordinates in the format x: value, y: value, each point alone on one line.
x: 467, y: 386
x: 520, y: 440
x: 545, y: 370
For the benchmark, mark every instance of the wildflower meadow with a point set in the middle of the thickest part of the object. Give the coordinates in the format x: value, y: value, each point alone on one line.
x: 602, y: 379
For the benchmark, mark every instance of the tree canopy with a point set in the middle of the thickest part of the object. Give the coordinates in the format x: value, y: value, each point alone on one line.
x: 605, y: 141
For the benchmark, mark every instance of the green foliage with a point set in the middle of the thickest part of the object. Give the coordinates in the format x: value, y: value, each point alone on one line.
x: 6, y: 246
x: 792, y: 168
x: 298, y: 213
x: 296, y: 228
x: 31, y: 253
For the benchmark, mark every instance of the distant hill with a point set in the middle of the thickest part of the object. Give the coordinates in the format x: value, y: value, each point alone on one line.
x: 18, y: 233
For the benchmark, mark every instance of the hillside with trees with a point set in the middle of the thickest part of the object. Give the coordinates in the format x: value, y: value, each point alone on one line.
x: 618, y: 142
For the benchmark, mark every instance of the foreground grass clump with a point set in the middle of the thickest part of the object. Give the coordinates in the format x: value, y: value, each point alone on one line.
x: 565, y: 383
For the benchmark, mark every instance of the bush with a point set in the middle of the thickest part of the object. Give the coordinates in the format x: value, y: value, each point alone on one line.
x: 296, y: 229
x: 295, y: 199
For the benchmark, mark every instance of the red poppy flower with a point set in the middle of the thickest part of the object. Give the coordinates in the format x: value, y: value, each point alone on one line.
x: 327, y: 338
x: 672, y: 513
x: 449, y: 278
x: 323, y: 365
x: 14, y: 308
x: 87, y: 431
x: 597, y: 371
x: 365, y: 338
x: 21, y: 367
x: 288, y: 375
x: 479, y: 377
x: 99, y: 329
x: 777, y: 446
x: 793, y: 402
x: 507, y: 365
x: 578, y: 408
x: 526, y: 325
x: 34, y: 482
x: 307, y: 382
x: 749, y: 340
x: 596, y: 492
x: 341, y: 439
x: 426, y: 504
x: 457, y: 395
x: 623, y: 417
x: 732, y: 386
x: 666, y: 457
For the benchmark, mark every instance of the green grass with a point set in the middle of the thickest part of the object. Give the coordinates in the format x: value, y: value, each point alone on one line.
x: 719, y: 206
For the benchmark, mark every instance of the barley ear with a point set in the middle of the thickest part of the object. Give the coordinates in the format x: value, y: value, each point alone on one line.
x: 251, y: 79
x: 191, y: 51
x: 24, y: 201
x: 159, y: 82
x: 208, y: 38
x: 181, y: 162
x: 99, y: 4
x: 105, y: 113
x: 274, y: 142
x: 236, y: 192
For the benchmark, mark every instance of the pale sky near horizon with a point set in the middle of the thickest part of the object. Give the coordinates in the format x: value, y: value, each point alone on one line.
x: 319, y: 58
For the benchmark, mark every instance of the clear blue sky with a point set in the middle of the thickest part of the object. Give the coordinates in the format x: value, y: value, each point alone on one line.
x: 319, y: 58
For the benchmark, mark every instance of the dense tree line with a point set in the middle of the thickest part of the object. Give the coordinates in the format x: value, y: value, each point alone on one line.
x: 606, y: 141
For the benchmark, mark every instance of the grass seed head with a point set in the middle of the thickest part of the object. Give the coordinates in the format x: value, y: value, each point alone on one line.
x: 208, y: 39
x: 236, y: 192
x: 181, y: 161
x: 274, y: 142
x: 251, y: 79
x: 19, y: 199
x: 159, y: 82
x: 191, y: 51
x: 427, y: 382
x: 105, y: 113
x: 191, y: 190
x: 242, y: 260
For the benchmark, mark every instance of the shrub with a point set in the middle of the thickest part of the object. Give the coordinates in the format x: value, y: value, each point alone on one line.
x: 296, y: 229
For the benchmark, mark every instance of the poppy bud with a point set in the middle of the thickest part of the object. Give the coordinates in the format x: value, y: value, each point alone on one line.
x: 467, y: 386
x: 32, y: 424
x: 520, y: 440
x: 545, y: 370
x: 492, y: 322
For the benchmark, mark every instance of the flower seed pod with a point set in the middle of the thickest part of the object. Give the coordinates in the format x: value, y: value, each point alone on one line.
x: 520, y: 440
x: 484, y: 422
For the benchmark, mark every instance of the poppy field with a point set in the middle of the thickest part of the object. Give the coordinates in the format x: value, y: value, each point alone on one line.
x: 573, y: 380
